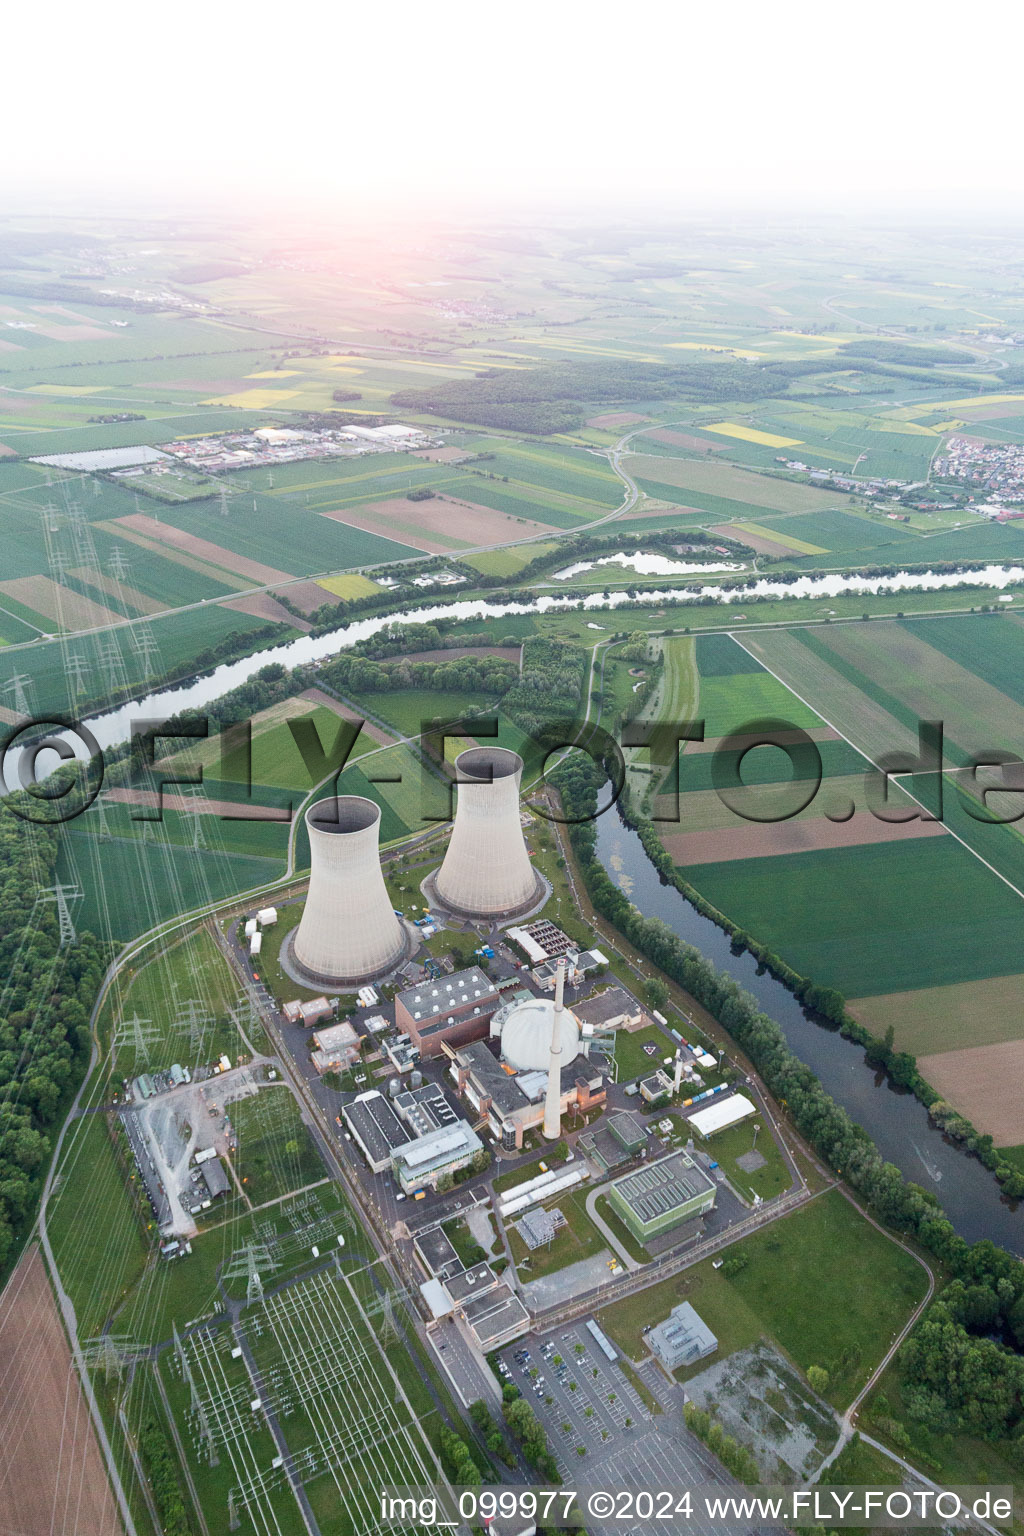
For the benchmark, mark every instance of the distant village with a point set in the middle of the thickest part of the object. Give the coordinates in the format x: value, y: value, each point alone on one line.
x: 993, y: 468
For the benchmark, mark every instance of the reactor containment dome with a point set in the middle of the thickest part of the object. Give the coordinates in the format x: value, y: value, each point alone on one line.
x: 487, y: 871
x: 349, y: 931
x: 526, y: 1030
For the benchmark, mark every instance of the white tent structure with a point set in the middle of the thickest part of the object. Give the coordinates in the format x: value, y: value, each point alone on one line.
x: 723, y: 1113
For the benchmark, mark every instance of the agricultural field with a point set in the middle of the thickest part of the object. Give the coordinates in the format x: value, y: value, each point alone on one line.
x: 917, y: 921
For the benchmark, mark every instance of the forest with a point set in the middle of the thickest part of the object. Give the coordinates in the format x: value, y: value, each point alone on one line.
x: 550, y: 399
x: 48, y: 992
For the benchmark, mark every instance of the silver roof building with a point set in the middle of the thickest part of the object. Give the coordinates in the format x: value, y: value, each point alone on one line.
x: 487, y: 870
x: 349, y: 931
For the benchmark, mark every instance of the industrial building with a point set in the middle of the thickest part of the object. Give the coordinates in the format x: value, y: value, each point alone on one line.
x: 376, y: 1128
x: 214, y: 1177
x: 447, y: 1009
x: 541, y: 941
x: 415, y: 1134
x: 496, y: 1317
x: 308, y: 1014
x: 682, y: 1338
x: 614, y: 1008
x: 486, y: 871
x: 657, y: 1086
x: 615, y: 1139
x: 523, y: 1028
x: 662, y: 1195
x: 335, y: 1048
x: 423, y: 1106
x: 447, y: 1149
x: 513, y: 1102
x: 349, y: 931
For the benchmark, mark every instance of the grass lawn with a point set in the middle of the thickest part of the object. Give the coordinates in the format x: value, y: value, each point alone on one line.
x: 603, y: 1207
x: 731, y: 1143
x: 275, y: 1152
x: 633, y: 1060
x: 823, y: 1284
x: 97, y: 1238
x: 578, y: 1239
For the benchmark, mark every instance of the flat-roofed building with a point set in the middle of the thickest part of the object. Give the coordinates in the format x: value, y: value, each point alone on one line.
x: 614, y: 1008
x: 444, y: 1150
x: 376, y: 1128
x: 336, y: 1037
x: 309, y: 1014
x: 471, y: 1282
x: 453, y: 1009
x: 436, y: 1252
x: 496, y: 1318
x: 662, y: 1195
x: 682, y: 1338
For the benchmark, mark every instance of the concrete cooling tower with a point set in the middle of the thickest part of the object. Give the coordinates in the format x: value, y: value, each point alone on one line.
x: 487, y: 870
x: 348, y: 930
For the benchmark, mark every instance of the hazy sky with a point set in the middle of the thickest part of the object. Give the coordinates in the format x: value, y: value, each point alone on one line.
x: 455, y: 102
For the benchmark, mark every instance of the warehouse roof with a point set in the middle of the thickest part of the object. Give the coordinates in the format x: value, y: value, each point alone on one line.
x: 378, y: 1127
x: 216, y: 1179
x: 429, y: 1000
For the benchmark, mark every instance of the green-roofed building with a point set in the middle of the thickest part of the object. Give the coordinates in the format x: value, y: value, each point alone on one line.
x: 662, y: 1195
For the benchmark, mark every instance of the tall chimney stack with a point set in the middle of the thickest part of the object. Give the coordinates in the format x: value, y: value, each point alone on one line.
x: 552, y: 1127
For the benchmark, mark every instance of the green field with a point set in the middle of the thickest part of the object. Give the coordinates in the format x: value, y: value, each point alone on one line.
x: 728, y: 1145
x: 823, y: 1284
x: 874, y: 918
x: 508, y: 562
x: 276, y: 1154
x: 631, y: 1058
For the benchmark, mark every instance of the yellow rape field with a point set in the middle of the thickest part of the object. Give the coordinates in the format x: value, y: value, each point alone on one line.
x: 751, y: 435
x: 348, y: 586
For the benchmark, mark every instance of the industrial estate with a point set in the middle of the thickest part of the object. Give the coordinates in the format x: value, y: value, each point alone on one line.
x: 506, y: 980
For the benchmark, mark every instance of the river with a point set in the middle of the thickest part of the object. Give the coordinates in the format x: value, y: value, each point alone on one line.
x: 114, y: 726
x: 896, y: 1122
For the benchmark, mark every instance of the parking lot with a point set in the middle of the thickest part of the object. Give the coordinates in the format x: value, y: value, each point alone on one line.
x: 589, y: 1393
x: 623, y: 1444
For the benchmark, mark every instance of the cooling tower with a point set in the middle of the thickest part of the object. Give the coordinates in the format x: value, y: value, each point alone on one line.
x: 487, y: 870
x: 348, y: 931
